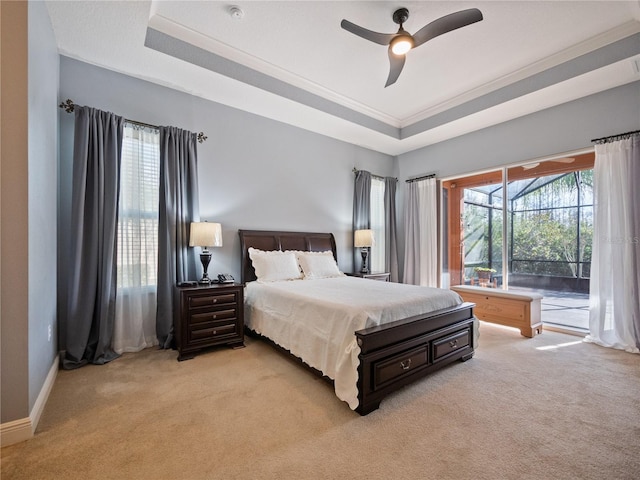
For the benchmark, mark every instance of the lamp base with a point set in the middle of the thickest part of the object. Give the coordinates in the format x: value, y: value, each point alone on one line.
x: 205, y: 258
x: 364, y: 252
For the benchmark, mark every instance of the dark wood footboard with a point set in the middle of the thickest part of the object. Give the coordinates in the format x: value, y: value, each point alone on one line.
x: 398, y: 353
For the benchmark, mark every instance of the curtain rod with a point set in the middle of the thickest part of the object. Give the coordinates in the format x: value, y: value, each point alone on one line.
x: 423, y: 177
x: 612, y: 138
x: 355, y: 170
x: 69, y: 107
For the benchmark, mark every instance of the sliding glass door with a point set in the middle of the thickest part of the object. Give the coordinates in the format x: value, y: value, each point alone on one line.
x: 525, y: 227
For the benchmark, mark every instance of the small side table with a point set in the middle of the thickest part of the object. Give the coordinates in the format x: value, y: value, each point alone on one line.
x: 208, y: 315
x: 381, y: 276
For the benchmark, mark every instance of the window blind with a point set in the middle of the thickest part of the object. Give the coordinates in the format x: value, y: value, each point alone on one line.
x: 138, y: 207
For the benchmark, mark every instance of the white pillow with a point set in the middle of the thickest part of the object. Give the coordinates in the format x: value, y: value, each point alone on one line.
x: 318, y: 265
x: 274, y: 266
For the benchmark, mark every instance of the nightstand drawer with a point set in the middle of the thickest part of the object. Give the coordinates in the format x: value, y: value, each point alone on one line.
x: 209, y: 300
x: 226, y: 314
x: 211, y: 330
x: 381, y: 276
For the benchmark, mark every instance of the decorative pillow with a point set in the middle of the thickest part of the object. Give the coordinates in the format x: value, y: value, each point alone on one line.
x: 318, y: 265
x: 275, y: 265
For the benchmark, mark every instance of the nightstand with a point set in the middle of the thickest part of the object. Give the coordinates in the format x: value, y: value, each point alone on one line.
x: 206, y: 316
x: 382, y: 276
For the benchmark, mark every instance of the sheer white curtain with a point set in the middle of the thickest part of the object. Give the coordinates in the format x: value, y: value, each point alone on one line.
x: 135, y: 319
x: 421, y: 233
x: 614, y: 310
x: 377, y: 256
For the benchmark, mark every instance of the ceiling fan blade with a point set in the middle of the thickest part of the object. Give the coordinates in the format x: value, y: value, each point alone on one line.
x: 380, y: 38
x: 396, y: 64
x: 446, y: 24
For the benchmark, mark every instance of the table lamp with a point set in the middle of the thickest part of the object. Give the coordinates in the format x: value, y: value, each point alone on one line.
x: 205, y: 235
x: 363, y: 239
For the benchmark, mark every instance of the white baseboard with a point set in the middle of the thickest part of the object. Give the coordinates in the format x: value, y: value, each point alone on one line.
x: 24, y: 428
x: 16, y: 431
x: 43, y: 396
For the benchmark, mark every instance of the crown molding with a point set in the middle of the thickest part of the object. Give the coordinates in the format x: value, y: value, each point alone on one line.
x: 618, y: 33
x: 198, y: 39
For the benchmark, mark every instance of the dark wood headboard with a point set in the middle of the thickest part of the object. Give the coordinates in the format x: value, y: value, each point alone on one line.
x: 277, y: 240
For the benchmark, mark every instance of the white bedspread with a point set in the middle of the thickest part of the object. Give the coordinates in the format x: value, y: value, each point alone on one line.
x: 316, y: 319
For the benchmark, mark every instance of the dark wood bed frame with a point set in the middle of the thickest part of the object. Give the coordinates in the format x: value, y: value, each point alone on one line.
x: 391, y: 355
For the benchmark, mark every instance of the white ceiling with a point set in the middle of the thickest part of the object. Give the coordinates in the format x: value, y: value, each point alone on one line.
x: 292, y: 62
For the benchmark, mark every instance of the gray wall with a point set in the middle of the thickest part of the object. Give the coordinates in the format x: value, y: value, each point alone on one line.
x: 44, y: 71
x: 254, y: 173
x: 564, y: 128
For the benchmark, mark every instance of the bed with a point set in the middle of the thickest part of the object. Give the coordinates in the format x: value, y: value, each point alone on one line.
x: 367, y: 349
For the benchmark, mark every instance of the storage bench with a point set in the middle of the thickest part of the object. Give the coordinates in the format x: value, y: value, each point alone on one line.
x: 512, y: 309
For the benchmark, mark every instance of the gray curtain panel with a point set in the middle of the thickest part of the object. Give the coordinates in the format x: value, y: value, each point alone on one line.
x: 391, y: 244
x: 178, y: 208
x: 92, y: 280
x: 361, y: 210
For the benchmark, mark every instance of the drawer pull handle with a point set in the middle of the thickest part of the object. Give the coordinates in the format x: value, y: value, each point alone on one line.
x: 215, y: 300
x: 453, y: 343
x: 215, y: 317
x: 214, y: 332
x: 406, y: 364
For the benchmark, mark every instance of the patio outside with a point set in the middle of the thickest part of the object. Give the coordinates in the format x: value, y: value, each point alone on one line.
x: 549, y: 231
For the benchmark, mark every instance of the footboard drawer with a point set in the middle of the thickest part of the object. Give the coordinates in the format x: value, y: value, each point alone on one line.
x: 452, y: 343
x: 399, y: 365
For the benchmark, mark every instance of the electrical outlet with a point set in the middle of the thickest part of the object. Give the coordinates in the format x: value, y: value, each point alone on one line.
x: 49, y: 333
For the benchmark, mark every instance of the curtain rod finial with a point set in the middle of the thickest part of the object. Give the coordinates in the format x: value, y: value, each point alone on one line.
x: 68, y: 106
x: 201, y: 137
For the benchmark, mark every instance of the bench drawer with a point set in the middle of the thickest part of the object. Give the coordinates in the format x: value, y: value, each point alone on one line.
x: 501, y: 308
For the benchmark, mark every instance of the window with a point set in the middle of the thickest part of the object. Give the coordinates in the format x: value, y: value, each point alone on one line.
x: 377, y: 257
x: 138, y: 207
x: 533, y: 225
x: 137, y: 242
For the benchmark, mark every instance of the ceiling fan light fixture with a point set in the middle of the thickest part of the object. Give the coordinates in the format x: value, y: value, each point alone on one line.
x: 401, y: 44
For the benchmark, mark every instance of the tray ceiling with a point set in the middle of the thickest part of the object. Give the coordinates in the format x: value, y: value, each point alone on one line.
x: 292, y: 62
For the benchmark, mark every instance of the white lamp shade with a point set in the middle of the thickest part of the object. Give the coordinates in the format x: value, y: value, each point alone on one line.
x: 205, y: 234
x: 363, y: 238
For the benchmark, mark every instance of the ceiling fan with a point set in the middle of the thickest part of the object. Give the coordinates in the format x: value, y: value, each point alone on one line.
x: 401, y: 42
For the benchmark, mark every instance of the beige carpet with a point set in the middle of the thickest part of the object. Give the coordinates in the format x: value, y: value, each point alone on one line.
x: 551, y: 407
